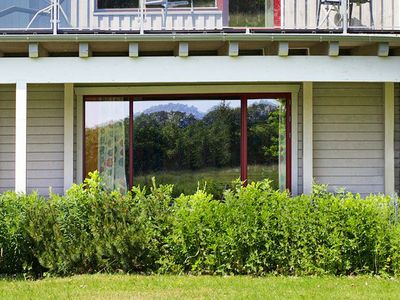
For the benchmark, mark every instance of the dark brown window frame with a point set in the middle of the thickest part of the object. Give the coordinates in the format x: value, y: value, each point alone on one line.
x: 244, y: 97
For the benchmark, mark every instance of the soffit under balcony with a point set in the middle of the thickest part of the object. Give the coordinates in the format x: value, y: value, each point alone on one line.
x: 200, y: 44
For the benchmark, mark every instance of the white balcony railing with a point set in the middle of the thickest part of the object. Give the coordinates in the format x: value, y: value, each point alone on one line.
x: 284, y: 15
x: 26, y: 15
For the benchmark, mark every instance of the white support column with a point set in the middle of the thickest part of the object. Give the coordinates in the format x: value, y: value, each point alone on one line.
x: 79, y: 138
x: 389, y: 139
x: 307, y: 137
x: 68, y: 135
x: 21, y: 112
x: 295, y: 141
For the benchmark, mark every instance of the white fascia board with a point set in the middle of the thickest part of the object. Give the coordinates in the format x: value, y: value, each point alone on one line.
x: 213, y: 69
x: 188, y: 37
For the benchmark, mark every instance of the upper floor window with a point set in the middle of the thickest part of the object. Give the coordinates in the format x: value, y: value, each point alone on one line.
x: 104, y: 4
x: 203, y: 3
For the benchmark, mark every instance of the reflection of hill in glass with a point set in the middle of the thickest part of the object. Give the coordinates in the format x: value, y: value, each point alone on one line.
x: 108, y: 123
x: 189, y: 110
x: 267, y: 102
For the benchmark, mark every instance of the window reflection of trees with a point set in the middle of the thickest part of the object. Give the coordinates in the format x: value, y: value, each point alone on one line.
x: 178, y: 143
x: 180, y: 148
x: 177, y: 147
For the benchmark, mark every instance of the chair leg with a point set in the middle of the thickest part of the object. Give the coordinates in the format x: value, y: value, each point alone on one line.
x: 318, y: 13
x: 350, y: 13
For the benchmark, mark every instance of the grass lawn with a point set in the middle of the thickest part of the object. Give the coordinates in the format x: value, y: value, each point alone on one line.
x: 190, y: 287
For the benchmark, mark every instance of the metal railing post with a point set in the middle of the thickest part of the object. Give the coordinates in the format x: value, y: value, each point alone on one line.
x: 343, y: 11
x: 55, y: 16
x: 142, y: 4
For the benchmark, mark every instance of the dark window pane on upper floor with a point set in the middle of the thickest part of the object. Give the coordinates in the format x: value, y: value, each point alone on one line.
x: 204, y: 3
x: 101, y: 4
x: 247, y: 13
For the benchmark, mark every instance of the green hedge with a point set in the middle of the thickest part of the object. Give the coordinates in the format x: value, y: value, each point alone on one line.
x: 254, y: 230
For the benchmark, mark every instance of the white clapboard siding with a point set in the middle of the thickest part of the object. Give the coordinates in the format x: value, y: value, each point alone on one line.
x: 7, y: 137
x: 349, y: 136
x: 397, y: 137
x: 45, y: 138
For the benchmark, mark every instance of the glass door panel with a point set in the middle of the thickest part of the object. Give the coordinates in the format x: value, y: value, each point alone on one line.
x: 267, y: 141
x: 189, y: 143
x: 107, y: 141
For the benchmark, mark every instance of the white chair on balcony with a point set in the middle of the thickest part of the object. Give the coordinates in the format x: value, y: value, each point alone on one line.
x: 51, y: 4
x: 334, y: 6
x: 360, y: 2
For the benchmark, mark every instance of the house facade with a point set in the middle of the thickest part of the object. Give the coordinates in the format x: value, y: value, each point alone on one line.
x: 296, y: 91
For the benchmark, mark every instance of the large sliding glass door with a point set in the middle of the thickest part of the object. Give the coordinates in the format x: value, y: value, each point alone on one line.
x: 191, y: 142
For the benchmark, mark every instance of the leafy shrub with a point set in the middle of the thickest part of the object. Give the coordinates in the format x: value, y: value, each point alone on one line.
x: 92, y: 230
x: 258, y: 231
x: 16, y: 245
x: 253, y: 230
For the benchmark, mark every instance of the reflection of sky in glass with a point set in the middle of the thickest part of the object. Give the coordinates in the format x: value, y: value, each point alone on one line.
x: 103, y: 112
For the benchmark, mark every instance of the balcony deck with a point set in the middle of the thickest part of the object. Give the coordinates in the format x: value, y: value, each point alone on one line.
x: 276, y: 16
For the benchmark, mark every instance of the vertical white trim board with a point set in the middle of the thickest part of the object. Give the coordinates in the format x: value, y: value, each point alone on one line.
x: 21, y: 118
x: 389, y: 138
x: 68, y: 135
x: 79, y: 139
x: 307, y: 137
x: 295, y: 168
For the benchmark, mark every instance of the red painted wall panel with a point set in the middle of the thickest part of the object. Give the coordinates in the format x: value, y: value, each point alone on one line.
x: 277, y: 13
